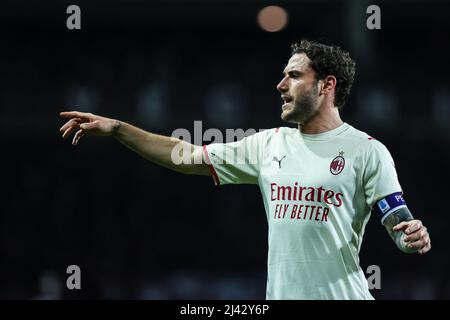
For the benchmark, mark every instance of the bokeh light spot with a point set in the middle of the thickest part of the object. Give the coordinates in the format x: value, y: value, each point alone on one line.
x: 272, y: 18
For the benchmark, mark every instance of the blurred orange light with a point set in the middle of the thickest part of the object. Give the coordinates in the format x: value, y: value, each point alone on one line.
x: 272, y: 18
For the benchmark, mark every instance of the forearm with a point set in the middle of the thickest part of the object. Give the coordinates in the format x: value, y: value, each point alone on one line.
x: 158, y: 149
x: 393, y: 219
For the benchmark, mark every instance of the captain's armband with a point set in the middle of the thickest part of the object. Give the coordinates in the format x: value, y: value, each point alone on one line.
x: 392, y: 209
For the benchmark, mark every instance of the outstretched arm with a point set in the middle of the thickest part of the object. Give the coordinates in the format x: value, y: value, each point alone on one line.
x: 153, y: 147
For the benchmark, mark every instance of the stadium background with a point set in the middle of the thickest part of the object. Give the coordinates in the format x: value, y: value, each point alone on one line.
x: 139, y: 231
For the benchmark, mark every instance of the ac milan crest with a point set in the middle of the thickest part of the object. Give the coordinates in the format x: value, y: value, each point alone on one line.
x: 337, y: 164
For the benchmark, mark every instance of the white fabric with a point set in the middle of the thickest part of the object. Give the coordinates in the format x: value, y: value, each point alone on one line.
x: 316, y: 218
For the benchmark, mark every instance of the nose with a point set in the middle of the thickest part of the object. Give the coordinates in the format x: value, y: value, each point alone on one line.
x: 282, y: 86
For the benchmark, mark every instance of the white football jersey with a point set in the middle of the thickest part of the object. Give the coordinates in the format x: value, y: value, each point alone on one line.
x: 318, y: 191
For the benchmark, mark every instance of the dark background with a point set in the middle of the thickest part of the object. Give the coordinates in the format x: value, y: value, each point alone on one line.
x: 139, y: 231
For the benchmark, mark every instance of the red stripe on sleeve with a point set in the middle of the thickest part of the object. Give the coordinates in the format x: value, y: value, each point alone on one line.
x: 211, y: 167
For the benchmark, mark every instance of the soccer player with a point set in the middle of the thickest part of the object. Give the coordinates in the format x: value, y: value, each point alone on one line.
x: 319, y: 181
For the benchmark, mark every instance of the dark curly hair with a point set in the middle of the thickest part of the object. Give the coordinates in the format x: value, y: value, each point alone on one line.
x: 329, y: 60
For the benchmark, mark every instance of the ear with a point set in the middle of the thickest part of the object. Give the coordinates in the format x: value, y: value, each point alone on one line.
x: 328, y: 84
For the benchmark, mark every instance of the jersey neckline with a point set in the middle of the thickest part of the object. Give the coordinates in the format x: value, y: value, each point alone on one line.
x: 325, y: 135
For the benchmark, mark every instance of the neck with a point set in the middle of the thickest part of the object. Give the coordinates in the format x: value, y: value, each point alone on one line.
x: 327, y: 119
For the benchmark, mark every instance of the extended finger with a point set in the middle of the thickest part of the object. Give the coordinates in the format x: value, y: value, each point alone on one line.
x: 77, y: 137
x: 70, y: 123
x: 75, y: 114
x: 69, y: 131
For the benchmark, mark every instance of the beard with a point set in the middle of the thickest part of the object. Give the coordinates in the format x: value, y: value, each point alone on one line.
x: 302, y: 110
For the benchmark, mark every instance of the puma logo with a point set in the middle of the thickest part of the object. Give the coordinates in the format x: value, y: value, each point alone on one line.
x: 279, y: 161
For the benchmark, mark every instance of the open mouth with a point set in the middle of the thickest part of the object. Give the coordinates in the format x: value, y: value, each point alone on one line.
x: 286, y: 99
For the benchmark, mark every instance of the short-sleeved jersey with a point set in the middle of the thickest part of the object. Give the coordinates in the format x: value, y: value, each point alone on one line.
x: 318, y: 191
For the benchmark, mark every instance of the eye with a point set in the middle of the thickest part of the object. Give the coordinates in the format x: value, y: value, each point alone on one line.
x: 294, y: 74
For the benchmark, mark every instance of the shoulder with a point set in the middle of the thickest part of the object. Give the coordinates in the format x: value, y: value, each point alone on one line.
x: 282, y: 131
x: 370, y: 150
x: 271, y: 133
x: 267, y: 138
x: 278, y: 134
x: 367, y: 144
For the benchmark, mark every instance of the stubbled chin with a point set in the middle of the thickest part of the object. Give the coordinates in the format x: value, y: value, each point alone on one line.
x: 285, y: 114
x: 288, y: 114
